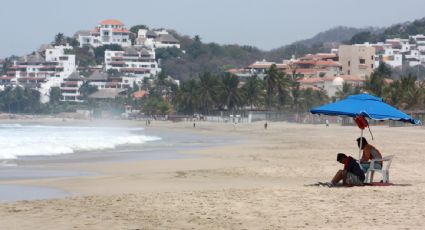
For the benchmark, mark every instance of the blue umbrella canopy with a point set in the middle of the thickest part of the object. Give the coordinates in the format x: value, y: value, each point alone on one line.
x: 364, y: 105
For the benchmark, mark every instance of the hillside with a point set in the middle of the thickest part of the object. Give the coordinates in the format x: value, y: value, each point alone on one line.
x: 401, y: 30
x: 337, y: 34
x: 212, y: 57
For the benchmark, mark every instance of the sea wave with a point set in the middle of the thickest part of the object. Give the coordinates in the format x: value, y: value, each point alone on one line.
x: 37, y: 140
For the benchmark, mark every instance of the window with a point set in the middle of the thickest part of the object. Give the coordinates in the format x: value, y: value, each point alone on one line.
x: 349, y: 63
x: 348, y: 72
x: 362, y: 61
x: 371, y: 57
x: 371, y: 66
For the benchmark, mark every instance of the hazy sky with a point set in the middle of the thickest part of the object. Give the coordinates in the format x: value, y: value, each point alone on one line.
x: 266, y: 24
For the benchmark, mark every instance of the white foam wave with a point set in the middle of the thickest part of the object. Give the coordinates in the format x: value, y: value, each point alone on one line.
x: 39, y: 140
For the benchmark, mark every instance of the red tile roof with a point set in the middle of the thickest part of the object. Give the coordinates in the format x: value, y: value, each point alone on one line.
x: 352, y: 78
x: 6, y: 78
x: 139, y: 94
x: 111, y: 22
x: 120, y: 31
x: 134, y: 70
x: 311, y: 80
x: 327, y: 63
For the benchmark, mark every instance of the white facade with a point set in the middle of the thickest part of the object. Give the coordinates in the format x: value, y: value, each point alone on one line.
x: 108, y: 32
x: 66, y: 61
x: 138, y: 63
x: 156, y: 39
x: 70, y: 88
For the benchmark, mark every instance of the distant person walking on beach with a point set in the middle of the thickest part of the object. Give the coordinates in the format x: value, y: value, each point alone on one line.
x: 351, y: 175
x: 265, y: 125
x: 194, y: 124
x: 327, y: 123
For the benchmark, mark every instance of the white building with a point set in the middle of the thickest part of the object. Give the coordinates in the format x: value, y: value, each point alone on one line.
x: 156, y: 39
x: 60, y: 55
x: 70, y: 88
x: 135, y: 62
x: 108, y: 32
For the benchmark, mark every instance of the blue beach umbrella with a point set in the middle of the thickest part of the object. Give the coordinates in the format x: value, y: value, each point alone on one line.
x: 364, y: 106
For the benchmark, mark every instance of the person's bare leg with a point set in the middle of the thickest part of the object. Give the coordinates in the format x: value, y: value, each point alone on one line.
x: 338, y: 176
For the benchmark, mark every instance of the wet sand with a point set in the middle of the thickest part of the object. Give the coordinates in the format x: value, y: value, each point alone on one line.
x: 258, y: 183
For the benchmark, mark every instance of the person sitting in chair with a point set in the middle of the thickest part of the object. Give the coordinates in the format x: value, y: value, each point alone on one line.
x: 369, y: 153
x: 351, y: 175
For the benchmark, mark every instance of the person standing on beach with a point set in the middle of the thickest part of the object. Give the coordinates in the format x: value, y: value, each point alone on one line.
x: 265, y: 125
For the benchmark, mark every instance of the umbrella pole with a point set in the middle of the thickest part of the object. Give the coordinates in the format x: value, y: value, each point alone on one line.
x: 361, y: 144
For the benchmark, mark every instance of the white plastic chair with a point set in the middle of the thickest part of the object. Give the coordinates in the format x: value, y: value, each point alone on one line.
x: 386, y: 163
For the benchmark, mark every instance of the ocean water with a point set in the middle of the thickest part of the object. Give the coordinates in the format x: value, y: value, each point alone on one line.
x: 40, y: 140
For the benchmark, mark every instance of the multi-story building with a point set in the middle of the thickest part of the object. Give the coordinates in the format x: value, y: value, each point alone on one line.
x: 357, y: 60
x: 156, y: 39
x: 108, y: 32
x: 132, y: 62
x: 70, y: 88
x: 57, y: 64
x: 102, y: 81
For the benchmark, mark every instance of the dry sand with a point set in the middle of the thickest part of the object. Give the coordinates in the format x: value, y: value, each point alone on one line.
x: 258, y: 184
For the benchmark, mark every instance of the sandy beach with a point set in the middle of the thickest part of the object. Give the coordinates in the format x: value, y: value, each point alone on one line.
x: 256, y: 182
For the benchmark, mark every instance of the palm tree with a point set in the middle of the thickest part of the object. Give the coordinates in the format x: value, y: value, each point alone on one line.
x: 186, y: 99
x: 254, y: 92
x: 346, y: 90
x: 207, y: 91
x: 231, y: 95
x: 283, y: 85
x: 271, y: 81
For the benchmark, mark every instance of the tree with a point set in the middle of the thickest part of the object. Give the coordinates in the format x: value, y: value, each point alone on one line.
x: 254, y: 91
x: 55, y: 95
x: 86, y: 89
x: 271, y: 81
x: 231, y: 95
x: 187, y: 100
x: 157, y: 106
x: 346, y: 90
x: 59, y: 39
x: 375, y: 83
x: 207, y: 91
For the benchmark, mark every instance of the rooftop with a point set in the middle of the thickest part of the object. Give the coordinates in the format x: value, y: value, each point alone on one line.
x: 111, y: 22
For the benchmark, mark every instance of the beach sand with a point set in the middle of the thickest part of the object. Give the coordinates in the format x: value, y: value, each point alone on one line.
x: 256, y: 183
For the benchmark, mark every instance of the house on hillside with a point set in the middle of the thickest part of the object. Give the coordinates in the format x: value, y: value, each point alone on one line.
x: 70, y: 88
x: 156, y: 39
x: 132, y: 61
x: 357, y: 60
x: 108, y: 32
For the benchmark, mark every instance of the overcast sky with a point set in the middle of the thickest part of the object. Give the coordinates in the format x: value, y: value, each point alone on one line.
x: 266, y: 24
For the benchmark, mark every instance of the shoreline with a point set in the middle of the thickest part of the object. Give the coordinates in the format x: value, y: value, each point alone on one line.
x: 258, y: 183
x: 34, y: 171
